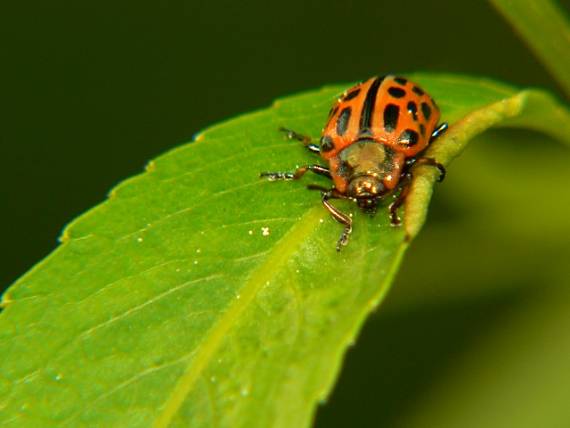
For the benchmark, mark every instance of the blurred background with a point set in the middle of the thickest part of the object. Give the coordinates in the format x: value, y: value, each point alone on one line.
x: 475, y: 330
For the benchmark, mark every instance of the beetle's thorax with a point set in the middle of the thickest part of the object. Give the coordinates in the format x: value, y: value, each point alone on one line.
x: 364, y: 166
x: 365, y: 156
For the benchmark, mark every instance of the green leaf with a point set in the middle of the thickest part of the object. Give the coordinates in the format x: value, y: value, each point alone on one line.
x: 200, y: 295
x: 543, y: 25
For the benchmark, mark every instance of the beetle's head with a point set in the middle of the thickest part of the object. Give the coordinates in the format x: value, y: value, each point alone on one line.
x: 367, y: 189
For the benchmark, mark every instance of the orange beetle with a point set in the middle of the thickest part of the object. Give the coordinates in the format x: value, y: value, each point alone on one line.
x: 374, y: 134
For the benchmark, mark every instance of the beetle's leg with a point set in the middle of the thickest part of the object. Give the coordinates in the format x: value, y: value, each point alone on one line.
x: 433, y: 162
x: 338, y: 215
x: 306, y: 140
x: 438, y: 131
x: 405, y: 182
x: 298, y: 173
x: 426, y: 161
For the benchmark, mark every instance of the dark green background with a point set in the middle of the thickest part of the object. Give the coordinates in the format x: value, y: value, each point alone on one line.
x: 93, y: 90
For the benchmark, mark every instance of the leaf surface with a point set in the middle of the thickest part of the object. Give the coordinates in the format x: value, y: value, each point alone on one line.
x: 200, y: 295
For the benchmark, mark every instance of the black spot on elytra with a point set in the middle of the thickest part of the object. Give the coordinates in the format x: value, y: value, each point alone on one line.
x: 418, y: 91
x: 369, y: 104
x: 391, y: 113
x: 426, y: 110
x: 401, y: 80
x: 326, y: 144
x: 352, y: 94
x: 396, y: 92
x: 413, y: 110
x: 408, y: 138
x: 342, y: 122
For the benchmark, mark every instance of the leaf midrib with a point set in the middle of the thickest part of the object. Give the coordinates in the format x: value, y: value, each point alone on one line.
x: 277, y: 258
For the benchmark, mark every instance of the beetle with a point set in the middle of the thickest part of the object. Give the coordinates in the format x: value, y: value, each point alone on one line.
x: 376, y: 131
